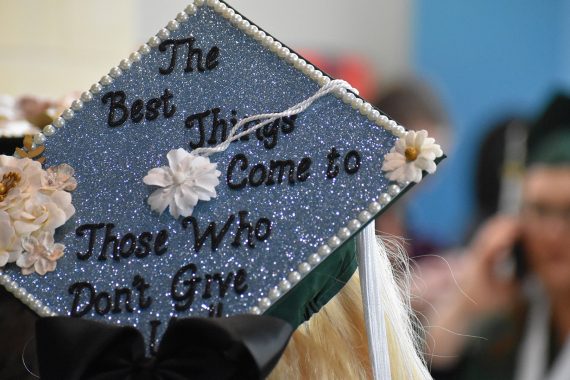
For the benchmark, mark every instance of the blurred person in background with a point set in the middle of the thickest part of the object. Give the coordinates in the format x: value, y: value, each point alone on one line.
x: 501, y: 325
x: 415, y: 105
x: 499, y: 169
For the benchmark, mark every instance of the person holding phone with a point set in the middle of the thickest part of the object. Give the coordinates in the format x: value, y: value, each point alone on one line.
x: 500, y: 326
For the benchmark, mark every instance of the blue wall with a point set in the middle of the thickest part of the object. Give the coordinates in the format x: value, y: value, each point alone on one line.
x: 487, y: 59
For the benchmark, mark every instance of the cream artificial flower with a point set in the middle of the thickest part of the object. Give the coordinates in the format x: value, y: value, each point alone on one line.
x: 40, y: 254
x: 33, y: 203
x: 10, y: 245
x: 186, y: 180
x: 43, y: 212
x: 411, y: 154
x: 29, y: 172
x: 59, y: 177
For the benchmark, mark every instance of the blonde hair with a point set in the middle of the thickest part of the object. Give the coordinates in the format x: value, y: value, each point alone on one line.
x: 333, y: 344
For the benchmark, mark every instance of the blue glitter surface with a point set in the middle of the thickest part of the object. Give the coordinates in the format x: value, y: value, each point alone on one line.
x: 111, y: 162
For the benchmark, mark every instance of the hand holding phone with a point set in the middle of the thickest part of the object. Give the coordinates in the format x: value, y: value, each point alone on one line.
x: 487, y: 286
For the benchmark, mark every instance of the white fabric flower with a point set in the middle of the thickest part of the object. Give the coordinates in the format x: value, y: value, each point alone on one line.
x: 411, y: 154
x: 186, y: 180
x: 40, y: 254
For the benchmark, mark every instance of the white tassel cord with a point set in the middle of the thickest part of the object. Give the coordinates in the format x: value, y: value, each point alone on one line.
x: 370, y: 283
x: 392, y: 341
x: 266, y: 118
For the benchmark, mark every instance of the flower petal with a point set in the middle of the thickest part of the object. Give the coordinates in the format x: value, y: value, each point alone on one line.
x: 56, y: 252
x: 425, y: 164
x: 434, y: 149
x: 26, y: 260
x: 176, y: 157
x: 42, y: 267
x: 400, y: 146
x: 159, y: 200
x: 56, y: 217
x: 3, y: 259
x: 412, y: 173
x: 28, y: 270
x: 397, y: 175
x: 63, y: 201
x: 173, y: 208
x: 201, y: 163
x: 25, y: 228
x: 185, y: 200
x: 420, y: 138
x: 393, y: 161
x: 410, y: 138
x: 158, y: 177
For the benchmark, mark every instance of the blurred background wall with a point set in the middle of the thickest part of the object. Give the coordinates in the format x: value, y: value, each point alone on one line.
x: 485, y: 58
x: 51, y: 47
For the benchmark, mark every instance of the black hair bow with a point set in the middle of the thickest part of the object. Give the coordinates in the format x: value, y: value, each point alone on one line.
x: 239, y: 347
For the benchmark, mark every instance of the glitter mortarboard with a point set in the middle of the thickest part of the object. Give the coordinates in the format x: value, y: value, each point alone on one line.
x: 274, y: 236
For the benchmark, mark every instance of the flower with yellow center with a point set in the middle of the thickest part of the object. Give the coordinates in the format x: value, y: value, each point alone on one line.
x: 410, y: 156
x: 9, y: 180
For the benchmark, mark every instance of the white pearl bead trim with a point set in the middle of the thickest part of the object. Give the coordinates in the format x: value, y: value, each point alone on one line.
x: 274, y: 294
x: 135, y: 56
x: 172, y: 25
x: 255, y: 310
x: 96, y: 88
x: 49, y: 130
x: 374, y: 207
x: 304, y: 268
x: 68, y: 114
x: 190, y: 9
x: 294, y: 277
x: 364, y: 216
x: 144, y: 49
x: 264, y: 303
x: 300, y: 64
x: 163, y: 34
x: 314, y: 259
x: 86, y: 97
x: 334, y: 241
x: 343, y: 233
x: 115, y: 72
x: 182, y: 17
x: 354, y: 225
x: 76, y: 105
x: 59, y: 122
x: 26, y: 298
x: 106, y: 80
x: 125, y: 64
x: 284, y: 285
x: 324, y: 250
x: 384, y: 199
x: 393, y: 190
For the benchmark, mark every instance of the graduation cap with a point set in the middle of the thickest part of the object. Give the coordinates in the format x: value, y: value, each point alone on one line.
x: 549, y: 136
x: 214, y: 173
